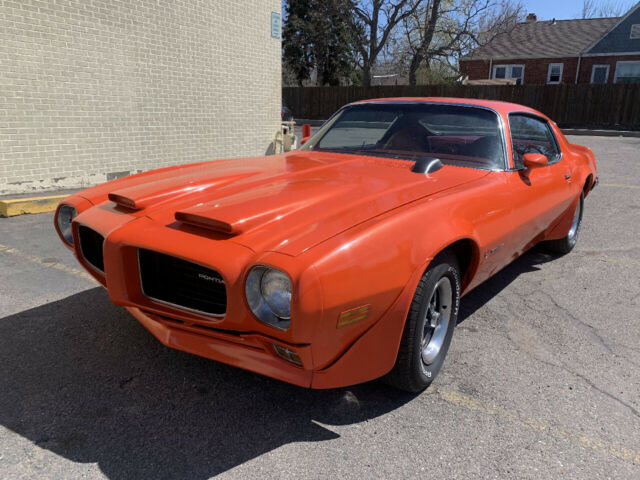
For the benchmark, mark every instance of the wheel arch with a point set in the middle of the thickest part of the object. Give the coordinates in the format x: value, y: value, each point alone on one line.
x: 467, y: 253
x: 588, y: 185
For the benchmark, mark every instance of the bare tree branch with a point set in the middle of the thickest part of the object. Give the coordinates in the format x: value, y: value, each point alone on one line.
x: 446, y: 29
x: 376, y: 22
x: 604, y: 8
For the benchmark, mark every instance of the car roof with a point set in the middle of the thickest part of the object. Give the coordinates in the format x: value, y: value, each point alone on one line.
x: 501, y: 107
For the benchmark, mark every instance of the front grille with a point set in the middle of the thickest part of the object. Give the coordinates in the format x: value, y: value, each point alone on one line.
x: 91, y: 247
x: 184, y: 284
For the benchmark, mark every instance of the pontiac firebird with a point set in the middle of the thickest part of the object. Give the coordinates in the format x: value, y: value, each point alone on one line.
x: 343, y: 261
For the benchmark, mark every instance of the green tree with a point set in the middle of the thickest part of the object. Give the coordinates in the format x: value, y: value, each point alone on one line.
x: 317, y: 37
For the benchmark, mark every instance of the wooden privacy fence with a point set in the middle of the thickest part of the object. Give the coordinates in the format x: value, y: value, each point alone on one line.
x: 614, y: 105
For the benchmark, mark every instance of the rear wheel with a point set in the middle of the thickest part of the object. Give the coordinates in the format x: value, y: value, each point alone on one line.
x: 429, y: 327
x: 565, y: 245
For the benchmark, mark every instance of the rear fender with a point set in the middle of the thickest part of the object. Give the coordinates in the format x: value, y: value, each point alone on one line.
x: 587, y: 159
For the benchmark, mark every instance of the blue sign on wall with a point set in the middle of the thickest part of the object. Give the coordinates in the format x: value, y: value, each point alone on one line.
x: 275, y: 24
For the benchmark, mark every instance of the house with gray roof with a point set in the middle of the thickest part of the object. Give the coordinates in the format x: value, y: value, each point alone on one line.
x: 591, y: 50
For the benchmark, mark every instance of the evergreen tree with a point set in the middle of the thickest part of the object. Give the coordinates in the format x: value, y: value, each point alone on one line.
x: 317, y: 37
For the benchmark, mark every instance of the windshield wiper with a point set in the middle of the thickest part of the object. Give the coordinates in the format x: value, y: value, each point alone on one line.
x: 375, y: 152
x: 399, y: 156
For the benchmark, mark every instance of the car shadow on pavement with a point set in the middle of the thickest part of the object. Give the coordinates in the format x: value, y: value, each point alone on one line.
x: 529, y: 262
x: 83, y: 379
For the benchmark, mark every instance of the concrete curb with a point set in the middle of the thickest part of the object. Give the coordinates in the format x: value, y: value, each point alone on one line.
x: 600, y: 133
x: 11, y: 207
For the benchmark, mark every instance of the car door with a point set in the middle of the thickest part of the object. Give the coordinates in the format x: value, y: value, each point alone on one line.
x: 540, y: 194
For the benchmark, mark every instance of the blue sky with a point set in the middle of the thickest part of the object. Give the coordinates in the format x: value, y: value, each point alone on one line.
x: 564, y: 9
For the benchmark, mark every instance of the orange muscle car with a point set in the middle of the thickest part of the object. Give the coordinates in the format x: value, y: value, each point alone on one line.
x: 343, y: 261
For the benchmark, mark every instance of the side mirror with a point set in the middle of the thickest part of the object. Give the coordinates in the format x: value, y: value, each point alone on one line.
x: 306, y: 133
x: 532, y: 160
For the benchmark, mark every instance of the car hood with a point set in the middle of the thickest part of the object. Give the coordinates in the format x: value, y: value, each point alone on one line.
x: 286, y: 203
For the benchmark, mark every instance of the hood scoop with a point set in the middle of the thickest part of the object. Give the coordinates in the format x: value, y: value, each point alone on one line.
x: 205, y: 222
x: 145, y: 195
x: 274, y: 202
x: 123, y: 201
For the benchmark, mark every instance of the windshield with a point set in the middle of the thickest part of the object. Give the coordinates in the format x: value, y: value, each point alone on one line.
x: 457, y: 135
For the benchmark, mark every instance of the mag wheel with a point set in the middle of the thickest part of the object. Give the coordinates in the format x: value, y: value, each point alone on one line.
x: 566, y: 244
x: 436, y: 321
x: 429, y: 327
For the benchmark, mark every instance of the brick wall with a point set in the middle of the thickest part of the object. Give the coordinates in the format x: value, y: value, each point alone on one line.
x: 587, y: 63
x: 535, y: 70
x: 94, y: 90
x: 475, y: 69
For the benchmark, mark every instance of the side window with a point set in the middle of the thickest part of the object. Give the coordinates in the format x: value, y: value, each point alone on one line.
x: 531, y: 134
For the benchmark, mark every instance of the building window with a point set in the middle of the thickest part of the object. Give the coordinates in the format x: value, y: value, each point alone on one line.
x: 627, y: 72
x: 509, y: 71
x: 600, y: 74
x: 554, y: 74
x: 635, y: 31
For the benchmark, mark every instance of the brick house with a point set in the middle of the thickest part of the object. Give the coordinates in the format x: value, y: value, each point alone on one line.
x: 593, y: 50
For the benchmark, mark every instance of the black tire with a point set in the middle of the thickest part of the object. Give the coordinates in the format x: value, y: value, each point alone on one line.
x: 410, y: 371
x: 564, y: 245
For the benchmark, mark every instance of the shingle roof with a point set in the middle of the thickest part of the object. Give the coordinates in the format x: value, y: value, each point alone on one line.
x: 544, y: 39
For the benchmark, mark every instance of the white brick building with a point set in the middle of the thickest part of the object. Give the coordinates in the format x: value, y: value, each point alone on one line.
x: 92, y: 90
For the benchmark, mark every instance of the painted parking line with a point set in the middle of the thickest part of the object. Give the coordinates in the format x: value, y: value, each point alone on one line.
x: 47, y: 264
x: 623, y: 262
x: 473, y: 404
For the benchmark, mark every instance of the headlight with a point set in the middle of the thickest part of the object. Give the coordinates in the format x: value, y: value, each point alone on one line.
x: 66, y: 214
x: 268, y: 293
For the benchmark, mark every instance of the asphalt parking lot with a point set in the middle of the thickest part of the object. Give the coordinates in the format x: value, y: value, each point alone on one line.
x: 542, y: 379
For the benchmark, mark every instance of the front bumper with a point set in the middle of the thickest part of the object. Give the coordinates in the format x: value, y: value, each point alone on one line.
x: 253, y: 352
x: 256, y: 353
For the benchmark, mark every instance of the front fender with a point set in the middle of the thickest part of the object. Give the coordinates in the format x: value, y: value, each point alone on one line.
x: 366, y: 272
x: 374, y: 353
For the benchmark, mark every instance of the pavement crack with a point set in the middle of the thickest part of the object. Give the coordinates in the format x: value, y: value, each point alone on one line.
x: 604, y: 392
x: 588, y: 330
x: 528, y: 351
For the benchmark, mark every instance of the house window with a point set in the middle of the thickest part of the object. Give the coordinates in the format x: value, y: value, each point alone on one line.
x: 509, y: 71
x: 627, y: 72
x: 554, y: 74
x: 600, y: 74
x: 635, y: 31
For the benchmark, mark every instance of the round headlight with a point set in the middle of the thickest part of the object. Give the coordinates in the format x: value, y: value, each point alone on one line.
x: 66, y: 214
x: 276, y: 291
x: 268, y: 294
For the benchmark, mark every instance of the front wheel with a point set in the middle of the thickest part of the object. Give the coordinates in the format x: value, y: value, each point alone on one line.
x: 564, y: 245
x: 429, y: 327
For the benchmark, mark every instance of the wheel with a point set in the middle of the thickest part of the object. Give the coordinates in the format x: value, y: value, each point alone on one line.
x: 429, y: 327
x: 566, y: 244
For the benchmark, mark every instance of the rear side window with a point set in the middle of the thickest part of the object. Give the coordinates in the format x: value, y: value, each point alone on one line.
x: 530, y: 134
